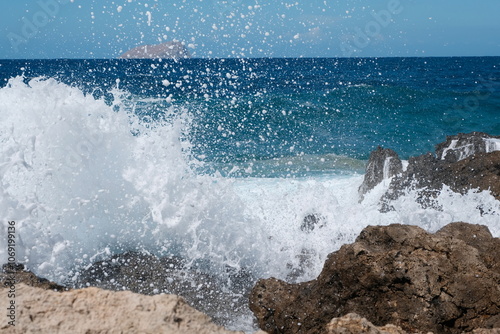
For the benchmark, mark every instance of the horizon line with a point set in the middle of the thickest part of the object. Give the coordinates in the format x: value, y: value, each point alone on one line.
x: 240, y: 58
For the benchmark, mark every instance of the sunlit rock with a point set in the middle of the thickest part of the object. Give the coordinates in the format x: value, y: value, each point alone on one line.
x: 354, y: 324
x: 93, y: 310
x: 445, y: 282
x: 151, y: 275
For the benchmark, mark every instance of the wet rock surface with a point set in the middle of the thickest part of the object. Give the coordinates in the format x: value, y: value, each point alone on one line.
x: 311, y: 222
x: 16, y: 274
x: 95, y: 310
x: 382, y: 164
x: 427, y: 175
x: 464, y: 145
x: 223, y: 297
x: 135, y: 272
x: 462, y: 162
x: 447, y: 282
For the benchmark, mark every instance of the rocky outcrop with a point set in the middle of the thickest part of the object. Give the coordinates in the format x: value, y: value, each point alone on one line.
x: 16, y: 273
x: 311, y: 222
x: 151, y: 275
x: 147, y: 275
x: 463, y: 162
x: 486, y: 331
x: 465, y: 145
x: 447, y: 282
x: 427, y: 175
x: 354, y: 324
x: 383, y: 164
x: 168, y: 50
x: 94, y: 310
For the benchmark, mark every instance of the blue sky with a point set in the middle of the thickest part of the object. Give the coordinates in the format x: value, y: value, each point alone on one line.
x: 251, y: 28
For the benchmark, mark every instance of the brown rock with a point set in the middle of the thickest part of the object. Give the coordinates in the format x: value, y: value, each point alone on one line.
x: 94, y: 310
x: 486, y: 331
x: 17, y: 273
x: 168, y: 50
x: 480, y: 171
x: 464, y: 145
x: 395, y: 274
x: 354, y: 324
x: 479, y: 237
x: 462, y: 162
x: 382, y: 164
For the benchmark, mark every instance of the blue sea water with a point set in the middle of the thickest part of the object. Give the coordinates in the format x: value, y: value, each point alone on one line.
x: 254, y: 110
x: 220, y: 160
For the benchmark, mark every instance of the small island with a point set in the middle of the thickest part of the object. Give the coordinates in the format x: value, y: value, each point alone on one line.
x: 168, y: 50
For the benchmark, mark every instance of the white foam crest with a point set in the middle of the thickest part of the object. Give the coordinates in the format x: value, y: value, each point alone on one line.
x: 465, y: 151
x: 80, y: 185
x: 387, y: 166
x: 282, y: 204
x: 63, y: 171
x: 492, y: 145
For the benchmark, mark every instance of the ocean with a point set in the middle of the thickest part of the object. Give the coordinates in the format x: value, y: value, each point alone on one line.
x: 220, y: 161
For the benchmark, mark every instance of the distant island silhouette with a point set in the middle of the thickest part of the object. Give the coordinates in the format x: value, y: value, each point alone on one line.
x: 167, y: 50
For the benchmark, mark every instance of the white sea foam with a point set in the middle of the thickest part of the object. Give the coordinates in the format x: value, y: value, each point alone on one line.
x: 492, y: 144
x: 465, y: 151
x: 80, y: 185
x: 84, y: 179
x: 282, y: 204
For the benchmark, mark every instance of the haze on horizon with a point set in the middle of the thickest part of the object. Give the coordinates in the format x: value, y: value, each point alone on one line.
x: 251, y: 28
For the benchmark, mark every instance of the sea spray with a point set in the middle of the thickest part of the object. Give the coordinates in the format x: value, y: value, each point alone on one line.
x: 85, y: 181
x: 262, y: 177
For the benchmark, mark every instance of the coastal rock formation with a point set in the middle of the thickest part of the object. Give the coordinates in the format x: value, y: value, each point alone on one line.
x: 465, y: 145
x: 383, y: 164
x: 354, y: 324
x: 447, y: 282
x: 311, y: 222
x: 150, y: 275
x: 168, y: 50
x: 93, y: 310
x: 463, y: 162
x: 427, y: 175
x: 16, y: 273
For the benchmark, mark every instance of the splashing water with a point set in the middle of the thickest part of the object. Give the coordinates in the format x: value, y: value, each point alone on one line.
x: 80, y: 183
x: 84, y: 178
